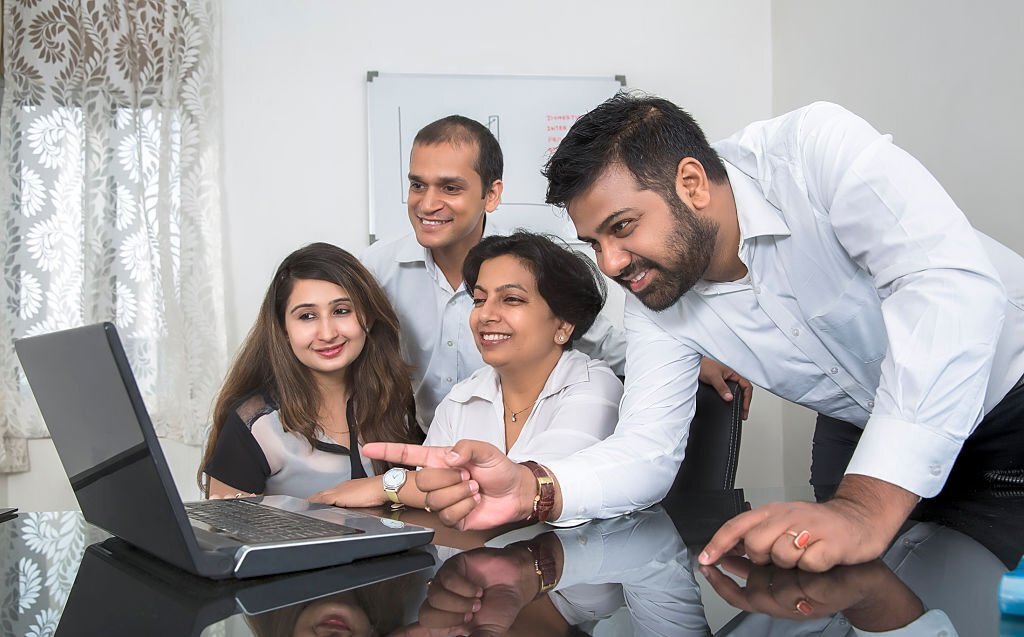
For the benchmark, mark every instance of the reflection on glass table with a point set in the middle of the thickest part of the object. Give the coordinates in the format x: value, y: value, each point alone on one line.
x: 633, y: 575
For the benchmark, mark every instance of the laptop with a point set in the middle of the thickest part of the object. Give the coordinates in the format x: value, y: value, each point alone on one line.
x: 122, y: 591
x: 91, y: 404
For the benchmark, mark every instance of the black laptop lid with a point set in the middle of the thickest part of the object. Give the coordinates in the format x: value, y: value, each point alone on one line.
x: 87, y: 395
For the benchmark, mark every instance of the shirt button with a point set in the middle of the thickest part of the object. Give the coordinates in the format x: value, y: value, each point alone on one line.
x: 834, y: 370
x: 871, y: 404
x: 796, y: 331
x: 449, y: 379
x: 934, y: 469
x: 583, y: 541
x: 451, y: 343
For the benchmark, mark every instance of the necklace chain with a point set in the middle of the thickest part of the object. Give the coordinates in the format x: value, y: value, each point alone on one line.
x: 516, y: 413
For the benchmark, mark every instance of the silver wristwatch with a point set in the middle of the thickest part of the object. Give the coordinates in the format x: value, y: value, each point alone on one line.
x: 394, y: 479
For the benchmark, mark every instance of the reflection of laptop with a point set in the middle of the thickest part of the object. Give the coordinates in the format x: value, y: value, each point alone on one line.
x: 88, y: 397
x: 122, y: 591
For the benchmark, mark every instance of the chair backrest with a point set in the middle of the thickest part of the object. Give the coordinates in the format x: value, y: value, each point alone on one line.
x: 713, y: 448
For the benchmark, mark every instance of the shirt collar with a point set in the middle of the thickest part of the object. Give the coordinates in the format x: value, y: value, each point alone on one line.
x: 572, y: 368
x: 757, y: 217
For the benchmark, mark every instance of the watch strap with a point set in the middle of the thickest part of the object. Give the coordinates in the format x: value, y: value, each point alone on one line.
x: 544, y: 501
x: 544, y: 565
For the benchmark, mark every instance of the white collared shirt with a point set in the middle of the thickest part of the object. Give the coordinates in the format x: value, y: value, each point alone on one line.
x: 436, y: 337
x: 577, y: 407
x: 870, y: 298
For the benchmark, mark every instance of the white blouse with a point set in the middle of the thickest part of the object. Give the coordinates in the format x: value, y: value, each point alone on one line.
x: 577, y: 407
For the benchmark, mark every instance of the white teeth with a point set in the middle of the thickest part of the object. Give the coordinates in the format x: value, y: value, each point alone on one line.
x: 496, y: 337
x: 638, y: 277
x: 432, y: 222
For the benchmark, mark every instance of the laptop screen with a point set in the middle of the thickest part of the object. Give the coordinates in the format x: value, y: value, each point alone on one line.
x: 91, y: 405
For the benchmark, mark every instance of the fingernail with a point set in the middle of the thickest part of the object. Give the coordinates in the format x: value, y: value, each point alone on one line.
x: 468, y: 617
x: 728, y: 396
x: 704, y: 570
x: 476, y: 498
x: 476, y: 605
x: 464, y: 474
x: 804, y: 608
x: 473, y: 486
x: 704, y: 558
x: 451, y: 456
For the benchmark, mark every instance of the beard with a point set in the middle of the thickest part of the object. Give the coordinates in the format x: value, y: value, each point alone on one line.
x: 688, y: 248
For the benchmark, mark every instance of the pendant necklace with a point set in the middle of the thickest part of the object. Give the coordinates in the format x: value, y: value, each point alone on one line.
x: 516, y: 413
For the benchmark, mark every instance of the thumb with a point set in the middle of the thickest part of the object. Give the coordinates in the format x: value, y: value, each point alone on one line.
x: 475, y: 452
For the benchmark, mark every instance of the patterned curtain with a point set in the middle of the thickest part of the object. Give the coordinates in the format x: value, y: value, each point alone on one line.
x: 110, y: 200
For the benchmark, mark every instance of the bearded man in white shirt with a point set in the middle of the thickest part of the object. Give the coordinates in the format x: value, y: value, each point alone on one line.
x: 814, y: 257
x: 455, y: 180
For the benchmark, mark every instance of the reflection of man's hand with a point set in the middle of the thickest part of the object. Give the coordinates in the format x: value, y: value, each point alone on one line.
x: 870, y: 595
x: 480, y: 592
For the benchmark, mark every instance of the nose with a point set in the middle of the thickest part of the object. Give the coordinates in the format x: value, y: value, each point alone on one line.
x: 430, y: 202
x: 326, y: 330
x: 486, y: 313
x: 612, y: 260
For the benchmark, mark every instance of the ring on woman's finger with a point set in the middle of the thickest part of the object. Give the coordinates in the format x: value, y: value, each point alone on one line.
x: 238, y: 495
x: 800, y: 539
x: 427, y: 509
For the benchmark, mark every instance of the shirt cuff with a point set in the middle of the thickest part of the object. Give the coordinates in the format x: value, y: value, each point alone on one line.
x: 934, y: 622
x: 906, y: 454
x: 580, y: 489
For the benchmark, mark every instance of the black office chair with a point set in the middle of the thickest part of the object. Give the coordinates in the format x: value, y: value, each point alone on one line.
x: 713, y: 449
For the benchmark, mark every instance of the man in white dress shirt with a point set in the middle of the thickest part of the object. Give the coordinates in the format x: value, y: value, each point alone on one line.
x: 819, y: 260
x: 455, y: 180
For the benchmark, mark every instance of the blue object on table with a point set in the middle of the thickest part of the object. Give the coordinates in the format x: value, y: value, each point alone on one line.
x: 1011, y: 591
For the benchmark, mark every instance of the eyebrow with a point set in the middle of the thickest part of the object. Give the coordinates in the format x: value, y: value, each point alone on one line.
x: 601, y: 227
x: 302, y: 306
x: 502, y: 288
x: 441, y: 180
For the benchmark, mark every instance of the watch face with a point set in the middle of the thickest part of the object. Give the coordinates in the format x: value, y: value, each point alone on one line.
x: 394, y: 478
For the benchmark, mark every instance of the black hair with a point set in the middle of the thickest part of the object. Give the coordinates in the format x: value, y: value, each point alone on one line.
x: 457, y: 130
x: 569, y: 282
x: 648, y: 135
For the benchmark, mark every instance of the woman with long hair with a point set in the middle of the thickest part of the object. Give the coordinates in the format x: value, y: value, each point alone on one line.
x: 536, y: 397
x: 319, y: 374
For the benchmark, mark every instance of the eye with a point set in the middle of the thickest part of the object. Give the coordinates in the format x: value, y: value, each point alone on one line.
x: 514, y: 300
x: 342, y: 311
x: 477, y: 301
x: 452, y: 189
x: 306, y: 316
x: 621, y: 228
x: 416, y: 186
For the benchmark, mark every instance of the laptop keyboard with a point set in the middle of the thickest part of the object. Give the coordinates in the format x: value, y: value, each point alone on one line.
x: 254, y: 523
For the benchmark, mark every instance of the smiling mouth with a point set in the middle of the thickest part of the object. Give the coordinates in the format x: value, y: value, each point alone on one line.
x: 494, y: 337
x: 637, y: 281
x: 330, y: 352
x: 434, y: 223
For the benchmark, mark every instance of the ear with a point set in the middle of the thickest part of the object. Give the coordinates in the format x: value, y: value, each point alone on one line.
x: 692, y: 185
x: 493, y: 195
x: 563, y: 332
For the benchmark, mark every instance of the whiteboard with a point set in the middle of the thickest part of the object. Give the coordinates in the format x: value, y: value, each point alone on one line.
x: 528, y: 114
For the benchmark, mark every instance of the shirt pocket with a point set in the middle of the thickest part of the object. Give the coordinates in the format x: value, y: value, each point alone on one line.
x: 853, y: 322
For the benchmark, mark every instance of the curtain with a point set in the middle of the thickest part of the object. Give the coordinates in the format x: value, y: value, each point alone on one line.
x: 110, y: 200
